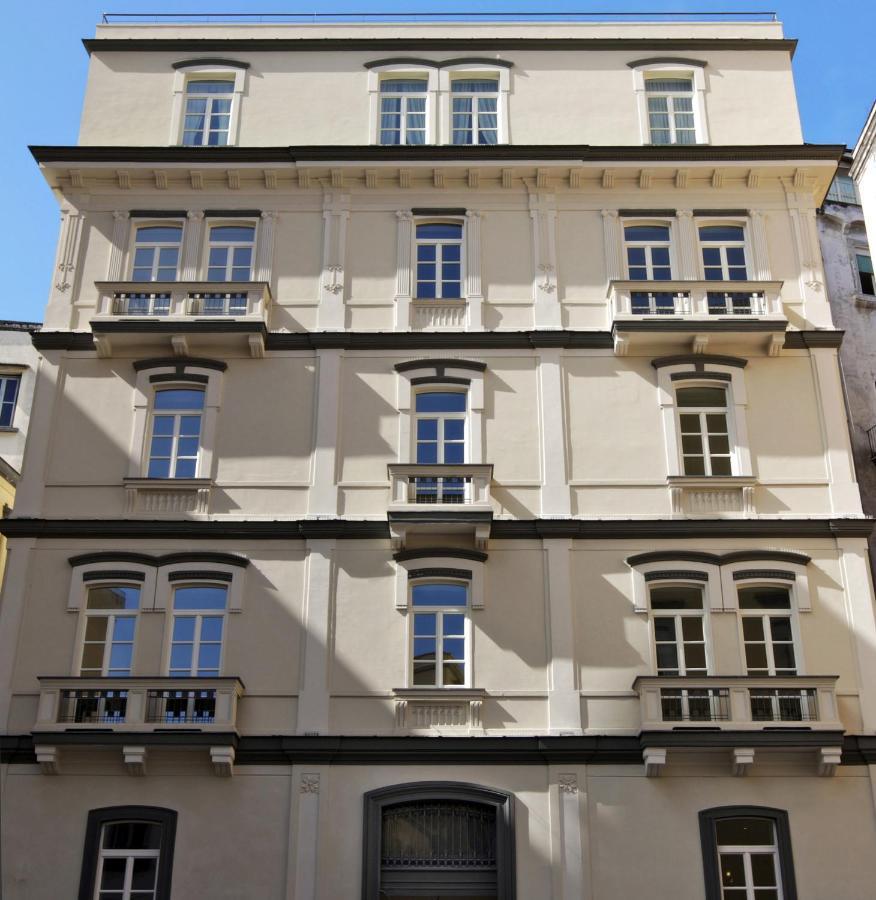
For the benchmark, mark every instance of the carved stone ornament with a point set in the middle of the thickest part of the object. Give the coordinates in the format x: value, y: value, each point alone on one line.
x: 309, y: 784
x: 568, y: 784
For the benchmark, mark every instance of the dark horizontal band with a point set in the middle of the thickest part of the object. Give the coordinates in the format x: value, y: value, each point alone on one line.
x: 439, y: 379
x: 441, y: 340
x: 442, y: 552
x: 414, y: 364
x: 438, y: 64
x: 438, y: 572
x: 673, y: 574
x: 699, y: 361
x: 210, y: 61
x: 716, y: 559
x: 745, y: 574
x: 199, y: 575
x: 180, y: 363
x: 157, y: 213
x: 146, y: 559
x: 114, y: 575
x: 667, y: 60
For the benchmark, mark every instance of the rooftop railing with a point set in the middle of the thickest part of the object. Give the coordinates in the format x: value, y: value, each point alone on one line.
x: 111, y: 18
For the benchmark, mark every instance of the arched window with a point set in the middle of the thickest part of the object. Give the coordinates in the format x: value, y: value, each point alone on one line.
x: 156, y: 253
x: 747, y: 854
x: 403, y: 110
x: 439, y: 261
x: 670, y: 93
x: 704, y: 430
x: 440, y: 633
x: 175, y: 432
x: 449, y: 838
x: 474, y: 110
x: 128, y: 854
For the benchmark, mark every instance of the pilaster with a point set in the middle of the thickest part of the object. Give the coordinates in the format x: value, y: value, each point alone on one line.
x: 121, y: 230
x: 15, y: 587
x: 192, y: 246
x: 323, y: 497
x: 759, y: 247
x: 543, y: 215
x: 307, y: 833
x: 569, y: 837
x: 313, y: 697
x: 335, y: 214
x: 801, y: 209
x: 688, y: 264
x: 555, y: 501
x: 473, y: 288
x: 66, y: 260
x: 265, y: 250
x: 404, y: 274
x: 612, y: 242
x: 564, y: 703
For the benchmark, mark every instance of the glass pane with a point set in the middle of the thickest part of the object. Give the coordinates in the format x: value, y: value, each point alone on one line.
x: 184, y: 628
x: 732, y: 870
x: 482, y: 85
x: 424, y: 648
x: 235, y: 234
x: 424, y: 673
x: 185, y: 468
x: 752, y: 628
x: 743, y: 832
x: 755, y: 658
x: 120, y: 657
x: 92, y: 657
x: 112, y: 877
x: 780, y: 628
x: 454, y: 648
x: 447, y: 231
x: 403, y: 86
x: 131, y: 836
x: 123, y: 629
x: 211, y: 628
x: 427, y: 454
x: 677, y: 597
x: 764, y: 597
x: 454, y: 624
x: 695, y: 655
x: 424, y: 624
x: 174, y: 398
x: 454, y: 429
x: 694, y: 465
x: 450, y: 253
x: 783, y: 656
x: 144, y: 875
x: 646, y: 233
x: 200, y: 597
x: 454, y: 673
x: 212, y: 86
x: 158, y: 468
x: 701, y: 397
x: 664, y: 628
x: 180, y: 659
x: 763, y: 870
x: 667, y: 658
x: 95, y: 628
x: 158, y: 234
x: 433, y: 401
x: 721, y: 233
x: 692, y: 445
x: 208, y: 658
x: 721, y: 466
x: 106, y: 597
x: 668, y: 85
x: 439, y: 595
x: 692, y: 628
x: 454, y: 454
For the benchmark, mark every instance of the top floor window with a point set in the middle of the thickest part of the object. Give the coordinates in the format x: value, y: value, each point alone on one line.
x: 207, y: 116
x: 439, y: 261
x: 230, y: 253
x: 843, y: 190
x: 156, y: 252
x: 475, y: 111
x: 403, y: 110
x: 9, y: 385
x: 723, y: 249
x: 671, y: 110
x: 648, y: 249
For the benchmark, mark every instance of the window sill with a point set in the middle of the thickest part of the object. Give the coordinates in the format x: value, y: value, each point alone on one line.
x: 439, y: 710
x: 866, y: 300
x: 712, y: 495
x: 170, y: 497
x: 8, y: 429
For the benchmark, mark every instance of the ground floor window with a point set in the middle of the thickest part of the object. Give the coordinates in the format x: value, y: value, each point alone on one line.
x: 128, y: 854
x: 436, y: 839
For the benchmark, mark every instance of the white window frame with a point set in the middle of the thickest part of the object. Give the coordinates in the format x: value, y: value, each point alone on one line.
x: 859, y: 250
x: 439, y: 612
x: 208, y: 72
x: 702, y: 412
x: 474, y: 72
x: 430, y: 560
x: 144, y: 391
x: 4, y: 378
x: 677, y: 614
x: 129, y: 855
x: 405, y: 403
x: 671, y: 70
x: 463, y: 261
x: 670, y: 244
x: 402, y: 71
x: 175, y: 436
x: 111, y: 616
x: 199, y: 616
x: 746, y: 852
x: 243, y: 222
x: 136, y: 225
x: 790, y: 613
x: 737, y: 402
x: 441, y: 417
x: 745, y: 244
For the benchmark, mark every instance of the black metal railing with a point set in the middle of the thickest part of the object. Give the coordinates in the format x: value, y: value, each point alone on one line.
x: 783, y: 705
x: 222, y: 303
x: 659, y: 303
x: 440, y: 489
x: 141, y: 303
x: 93, y: 706
x: 695, y: 704
x: 736, y: 303
x: 182, y: 707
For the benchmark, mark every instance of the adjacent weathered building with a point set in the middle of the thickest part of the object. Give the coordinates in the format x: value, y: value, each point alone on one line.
x: 440, y: 432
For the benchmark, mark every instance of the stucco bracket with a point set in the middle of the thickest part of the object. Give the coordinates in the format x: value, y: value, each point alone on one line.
x: 743, y: 760
x: 223, y: 761
x: 47, y: 758
x: 135, y: 760
x: 828, y: 759
x: 655, y: 760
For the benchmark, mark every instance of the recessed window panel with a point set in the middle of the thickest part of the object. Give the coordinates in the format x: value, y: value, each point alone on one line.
x: 200, y: 597
x: 435, y: 401
x: 701, y: 397
x: 646, y: 233
x: 439, y: 594
x: 765, y: 597
x: 676, y: 597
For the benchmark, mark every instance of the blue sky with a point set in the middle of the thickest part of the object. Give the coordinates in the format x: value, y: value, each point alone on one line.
x: 833, y: 69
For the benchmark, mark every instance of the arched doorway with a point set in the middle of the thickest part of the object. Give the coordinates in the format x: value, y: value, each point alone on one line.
x: 438, y: 840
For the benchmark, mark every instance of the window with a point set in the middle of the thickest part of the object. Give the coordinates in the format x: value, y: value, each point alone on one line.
x: 865, y: 273
x: 439, y: 651
x: 457, y: 839
x: 723, y: 249
x: 439, y: 261
x: 843, y: 190
x: 207, y: 117
x: 176, y: 433
x: 403, y: 110
x: 747, y: 854
x: 679, y: 638
x: 110, y: 623
x: 475, y: 111
x: 767, y: 630
x: 128, y: 854
x: 671, y: 110
x: 198, y: 626
x: 440, y: 440
x: 9, y: 385
x: 704, y: 431
x: 156, y: 252
x: 648, y: 252
x: 230, y: 253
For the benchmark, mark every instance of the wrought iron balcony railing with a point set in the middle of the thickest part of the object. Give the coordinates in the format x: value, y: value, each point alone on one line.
x: 695, y: 300
x: 432, y: 486
x: 178, y: 301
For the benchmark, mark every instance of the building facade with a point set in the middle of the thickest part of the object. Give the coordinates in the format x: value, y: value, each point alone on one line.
x: 439, y: 482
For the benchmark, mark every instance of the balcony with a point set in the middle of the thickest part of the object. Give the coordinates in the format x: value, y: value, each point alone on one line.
x: 138, y: 715
x: 440, y: 498
x: 697, y: 314
x: 188, y: 315
x: 739, y: 703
